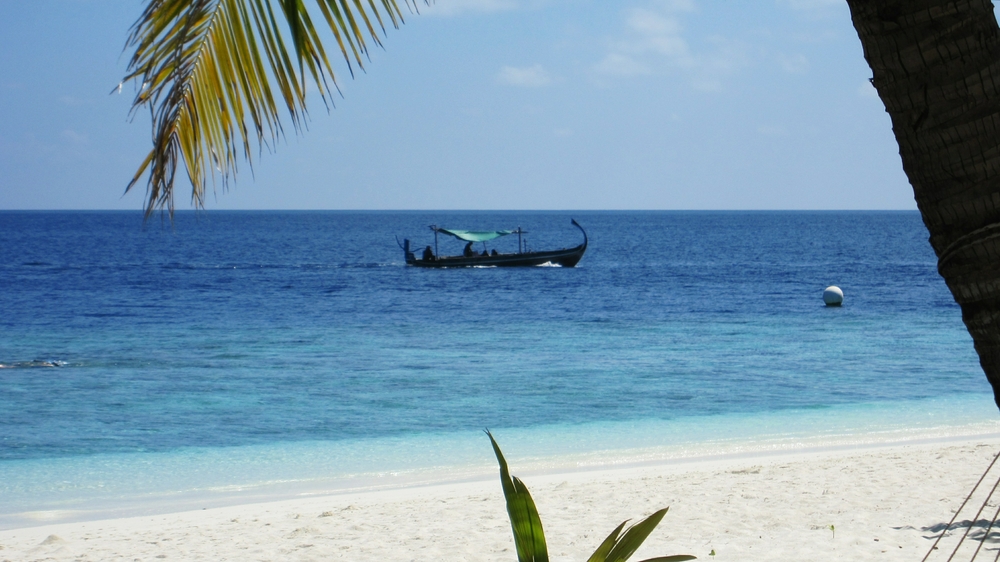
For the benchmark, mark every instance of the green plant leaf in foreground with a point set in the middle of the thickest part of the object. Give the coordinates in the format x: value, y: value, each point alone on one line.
x: 524, y: 520
x: 619, y: 546
x: 530, y: 540
x: 601, y: 554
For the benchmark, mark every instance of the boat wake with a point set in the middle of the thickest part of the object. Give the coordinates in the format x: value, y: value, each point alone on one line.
x: 31, y: 364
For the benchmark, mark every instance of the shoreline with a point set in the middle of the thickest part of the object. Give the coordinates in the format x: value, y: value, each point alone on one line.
x: 770, y: 505
x: 93, y: 501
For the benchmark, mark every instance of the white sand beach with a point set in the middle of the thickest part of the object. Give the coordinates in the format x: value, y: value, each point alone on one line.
x: 883, y: 502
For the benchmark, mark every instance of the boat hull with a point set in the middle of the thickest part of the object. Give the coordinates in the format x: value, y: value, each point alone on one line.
x: 567, y: 257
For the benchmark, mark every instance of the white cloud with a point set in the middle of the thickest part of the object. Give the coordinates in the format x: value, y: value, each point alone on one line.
x: 650, y: 22
x: 654, y: 40
x: 456, y: 7
x: 658, y: 33
x: 676, y: 5
x: 528, y: 76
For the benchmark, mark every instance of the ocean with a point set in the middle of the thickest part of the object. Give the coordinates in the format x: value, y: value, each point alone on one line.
x: 230, y: 356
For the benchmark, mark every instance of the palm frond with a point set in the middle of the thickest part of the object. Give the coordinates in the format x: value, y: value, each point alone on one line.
x: 214, y: 75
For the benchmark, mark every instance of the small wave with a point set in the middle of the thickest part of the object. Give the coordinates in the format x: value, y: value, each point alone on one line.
x: 369, y: 265
x: 36, y: 263
x: 549, y: 264
x: 32, y: 364
x: 107, y: 314
x: 176, y: 265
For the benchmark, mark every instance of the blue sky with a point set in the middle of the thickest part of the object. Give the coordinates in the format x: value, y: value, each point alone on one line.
x: 494, y: 104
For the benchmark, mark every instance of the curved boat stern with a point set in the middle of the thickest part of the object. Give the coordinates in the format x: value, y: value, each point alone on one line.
x: 407, y: 254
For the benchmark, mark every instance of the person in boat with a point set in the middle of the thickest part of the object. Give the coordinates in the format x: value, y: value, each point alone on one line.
x: 467, y: 252
x: 494, y: 252
x: 485, y: 254
x: 428, y: 254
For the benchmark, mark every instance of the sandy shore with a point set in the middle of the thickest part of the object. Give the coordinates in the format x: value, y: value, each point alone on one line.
x: 883, y: 503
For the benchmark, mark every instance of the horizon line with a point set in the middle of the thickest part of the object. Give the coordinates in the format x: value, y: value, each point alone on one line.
x: 360, y: 210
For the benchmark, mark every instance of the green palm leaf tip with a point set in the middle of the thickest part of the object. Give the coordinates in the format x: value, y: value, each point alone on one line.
x: 524, y: 520
x: 530, y: 540
x: 619, y: 546
x: 214, y: 73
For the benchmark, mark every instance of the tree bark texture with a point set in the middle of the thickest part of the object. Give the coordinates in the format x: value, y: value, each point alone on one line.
x: 936, y: 66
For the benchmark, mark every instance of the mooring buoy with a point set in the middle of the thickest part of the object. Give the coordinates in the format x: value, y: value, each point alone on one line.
x: 833, y: 296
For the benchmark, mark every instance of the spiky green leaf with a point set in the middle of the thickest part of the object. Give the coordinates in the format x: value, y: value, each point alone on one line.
x: 619, y: 547
x: 601, y: 554
x: 529, y: 539
x: 634, y: 537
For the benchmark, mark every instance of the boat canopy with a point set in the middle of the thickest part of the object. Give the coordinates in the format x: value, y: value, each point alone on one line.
x: 474, y: 235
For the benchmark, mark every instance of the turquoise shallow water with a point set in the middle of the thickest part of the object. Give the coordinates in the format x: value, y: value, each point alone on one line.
x: 41, y: 491
x: 241, y: 355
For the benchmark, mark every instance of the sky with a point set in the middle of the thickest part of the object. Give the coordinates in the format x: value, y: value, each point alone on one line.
x: 493, y: 105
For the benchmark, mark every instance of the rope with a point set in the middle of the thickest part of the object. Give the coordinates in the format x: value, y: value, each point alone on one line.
x: 997, y: 559
x: 974, y: 519
x: 990, y: 527
x: 967, y: 498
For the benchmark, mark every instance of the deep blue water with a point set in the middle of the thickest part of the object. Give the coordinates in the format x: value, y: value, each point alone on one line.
x: 241, y: 328
x: 244, y: 329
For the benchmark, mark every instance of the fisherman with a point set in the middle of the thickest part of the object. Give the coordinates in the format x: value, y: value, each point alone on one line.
x: 428, y: 254
x: 467, y: 252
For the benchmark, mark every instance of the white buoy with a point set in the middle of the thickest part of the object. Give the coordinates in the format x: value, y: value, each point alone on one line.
x: 833, y: 296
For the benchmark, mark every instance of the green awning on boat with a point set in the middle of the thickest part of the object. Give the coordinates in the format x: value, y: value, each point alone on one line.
x: 474, y: 235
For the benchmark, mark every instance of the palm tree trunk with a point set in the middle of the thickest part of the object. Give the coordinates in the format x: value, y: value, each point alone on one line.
x: 936, y: 66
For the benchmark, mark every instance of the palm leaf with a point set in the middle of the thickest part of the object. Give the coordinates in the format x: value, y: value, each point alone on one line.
x: 530, y: 540
x: 214, y: 75
x: 630, y: 541
x: 619, y: 546
x: 601, y: 554
x: 524, y: 520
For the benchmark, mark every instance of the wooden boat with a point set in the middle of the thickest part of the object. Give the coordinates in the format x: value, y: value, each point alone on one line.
x: 567, y: 257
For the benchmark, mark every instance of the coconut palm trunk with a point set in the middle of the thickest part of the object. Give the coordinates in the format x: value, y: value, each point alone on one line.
x: 936, y: 66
